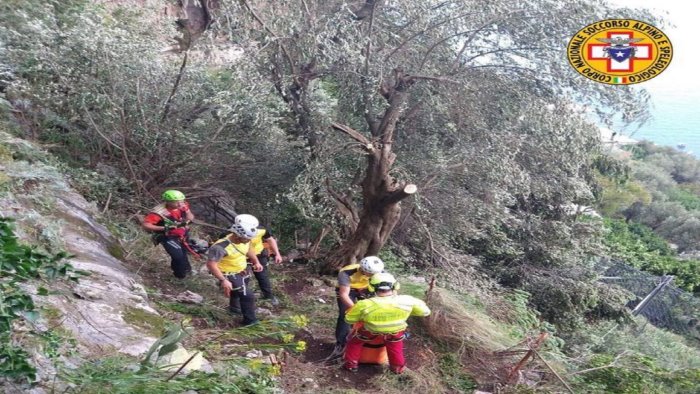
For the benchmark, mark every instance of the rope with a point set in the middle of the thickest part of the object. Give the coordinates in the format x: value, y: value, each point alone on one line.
x: 187, y: 246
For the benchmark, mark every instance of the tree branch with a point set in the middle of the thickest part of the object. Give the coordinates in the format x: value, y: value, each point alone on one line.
x: 612, y: 364
x: 166, y: 110
x: 356, y: 135
x: 250, y: 9
x: 366, y: 10
x: 400, y: 194
x: 435, y: 79
x: 368, y: 48
x: 369, y: 112
x: 436, y: 44
x: 421, y: 32
x: 345, y: 205
x: 500, y: 50
x: 97, y: 129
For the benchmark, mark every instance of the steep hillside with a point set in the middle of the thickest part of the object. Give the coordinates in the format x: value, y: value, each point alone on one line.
x: 398, y: 129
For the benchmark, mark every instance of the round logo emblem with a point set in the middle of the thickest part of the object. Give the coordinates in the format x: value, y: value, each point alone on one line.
x: 620, y: 51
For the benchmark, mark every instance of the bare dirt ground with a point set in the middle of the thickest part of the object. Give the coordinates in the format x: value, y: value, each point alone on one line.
x: 302, y: 292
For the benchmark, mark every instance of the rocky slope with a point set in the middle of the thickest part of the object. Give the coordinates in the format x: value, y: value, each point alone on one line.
x: 104, y: 312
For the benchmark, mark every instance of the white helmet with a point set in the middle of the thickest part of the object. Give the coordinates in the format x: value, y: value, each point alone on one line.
x: 372, y: 265
x: 383, y: 281
x: 245, y: 226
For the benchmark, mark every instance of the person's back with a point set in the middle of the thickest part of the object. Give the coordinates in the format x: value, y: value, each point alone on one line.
x: 389, y: 314
x: 383, y: 317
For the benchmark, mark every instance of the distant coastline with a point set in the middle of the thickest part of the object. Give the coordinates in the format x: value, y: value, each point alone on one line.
x: 616, y: 141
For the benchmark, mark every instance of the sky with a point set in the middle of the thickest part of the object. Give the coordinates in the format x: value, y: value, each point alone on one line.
x: 685, y: 15
x: 676, y: 92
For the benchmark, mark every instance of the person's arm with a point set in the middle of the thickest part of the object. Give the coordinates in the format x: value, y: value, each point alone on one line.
x: 344, y: 294
x: 149, y: 223
x: 152, y: 227
x: 419, y: 308
x: 354, y: 314
x: 214, y: 255
x: 189, y: 216
x: 273, y: 245
x: 257, y: 267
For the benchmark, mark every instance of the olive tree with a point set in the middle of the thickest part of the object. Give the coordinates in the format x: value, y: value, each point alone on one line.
x: 96, y: 87
x: 387, y: 65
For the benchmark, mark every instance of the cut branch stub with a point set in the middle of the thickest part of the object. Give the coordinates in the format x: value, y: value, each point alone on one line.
x: 400, y: 194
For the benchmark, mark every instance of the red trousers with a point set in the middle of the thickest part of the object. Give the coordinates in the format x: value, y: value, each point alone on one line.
x: 393, y: 343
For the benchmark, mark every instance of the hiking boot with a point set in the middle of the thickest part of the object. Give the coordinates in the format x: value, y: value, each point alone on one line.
x: 274, y: 301
x: 350, y: 367
x: 250, y: 323
x: 235, y: 311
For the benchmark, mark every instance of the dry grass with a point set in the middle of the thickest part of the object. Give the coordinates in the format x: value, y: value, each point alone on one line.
x: 427, y: 380
x: 467, y: 331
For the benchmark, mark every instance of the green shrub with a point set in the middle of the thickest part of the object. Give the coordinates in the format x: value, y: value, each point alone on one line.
x: 616, y: 197
x: 120, y: 375
x: 688, y: 199
x: 454, y: 375
x: 636, y: 374
x: 18, y: 265
x: 638, y: 246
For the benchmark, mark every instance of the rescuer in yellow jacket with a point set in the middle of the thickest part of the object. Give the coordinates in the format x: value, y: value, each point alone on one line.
x: 382, y: 316
x: 353, y: 281
x: 265, y: 247
x: 227, y: 260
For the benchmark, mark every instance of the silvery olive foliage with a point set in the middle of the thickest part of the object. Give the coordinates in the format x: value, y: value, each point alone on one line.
x: 93, y: 84
x: 495, y: 128
x: 486, y: 117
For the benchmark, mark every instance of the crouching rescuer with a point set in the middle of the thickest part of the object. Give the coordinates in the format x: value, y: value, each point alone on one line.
x: 227, y: 260
x: 382, y: 316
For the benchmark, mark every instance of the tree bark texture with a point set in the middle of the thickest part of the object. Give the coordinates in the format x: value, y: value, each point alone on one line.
x: 381, y: 193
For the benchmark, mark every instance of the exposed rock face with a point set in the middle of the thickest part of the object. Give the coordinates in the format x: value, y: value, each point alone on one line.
x: 189, y: 297
x: 104, y: 312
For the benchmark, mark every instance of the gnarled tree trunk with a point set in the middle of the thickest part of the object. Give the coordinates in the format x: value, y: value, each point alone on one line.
x: 381, y: 193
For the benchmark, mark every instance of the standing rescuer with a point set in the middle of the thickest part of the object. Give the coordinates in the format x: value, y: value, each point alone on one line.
x: 353, y: 283
x: 169, y: 223
x: 262, y: 239
x: 382, y: 316
x: 227, y: 260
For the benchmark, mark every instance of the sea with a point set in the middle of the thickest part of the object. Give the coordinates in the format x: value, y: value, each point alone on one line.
x: 675, y: 122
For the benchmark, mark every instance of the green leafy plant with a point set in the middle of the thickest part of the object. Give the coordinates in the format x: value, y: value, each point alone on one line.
x: 638, y: 246
x: 167, y: 343
x: 18, y: 265
x: 636, y: 374
x: 454, y: 374
x: 281, y: 331
x: 118, y: 375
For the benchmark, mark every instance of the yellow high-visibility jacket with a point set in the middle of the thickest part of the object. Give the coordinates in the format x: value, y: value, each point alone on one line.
x: 235, y: 259
x: 350, y: 275
x: 257, y: 241
x: 388, y: 314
